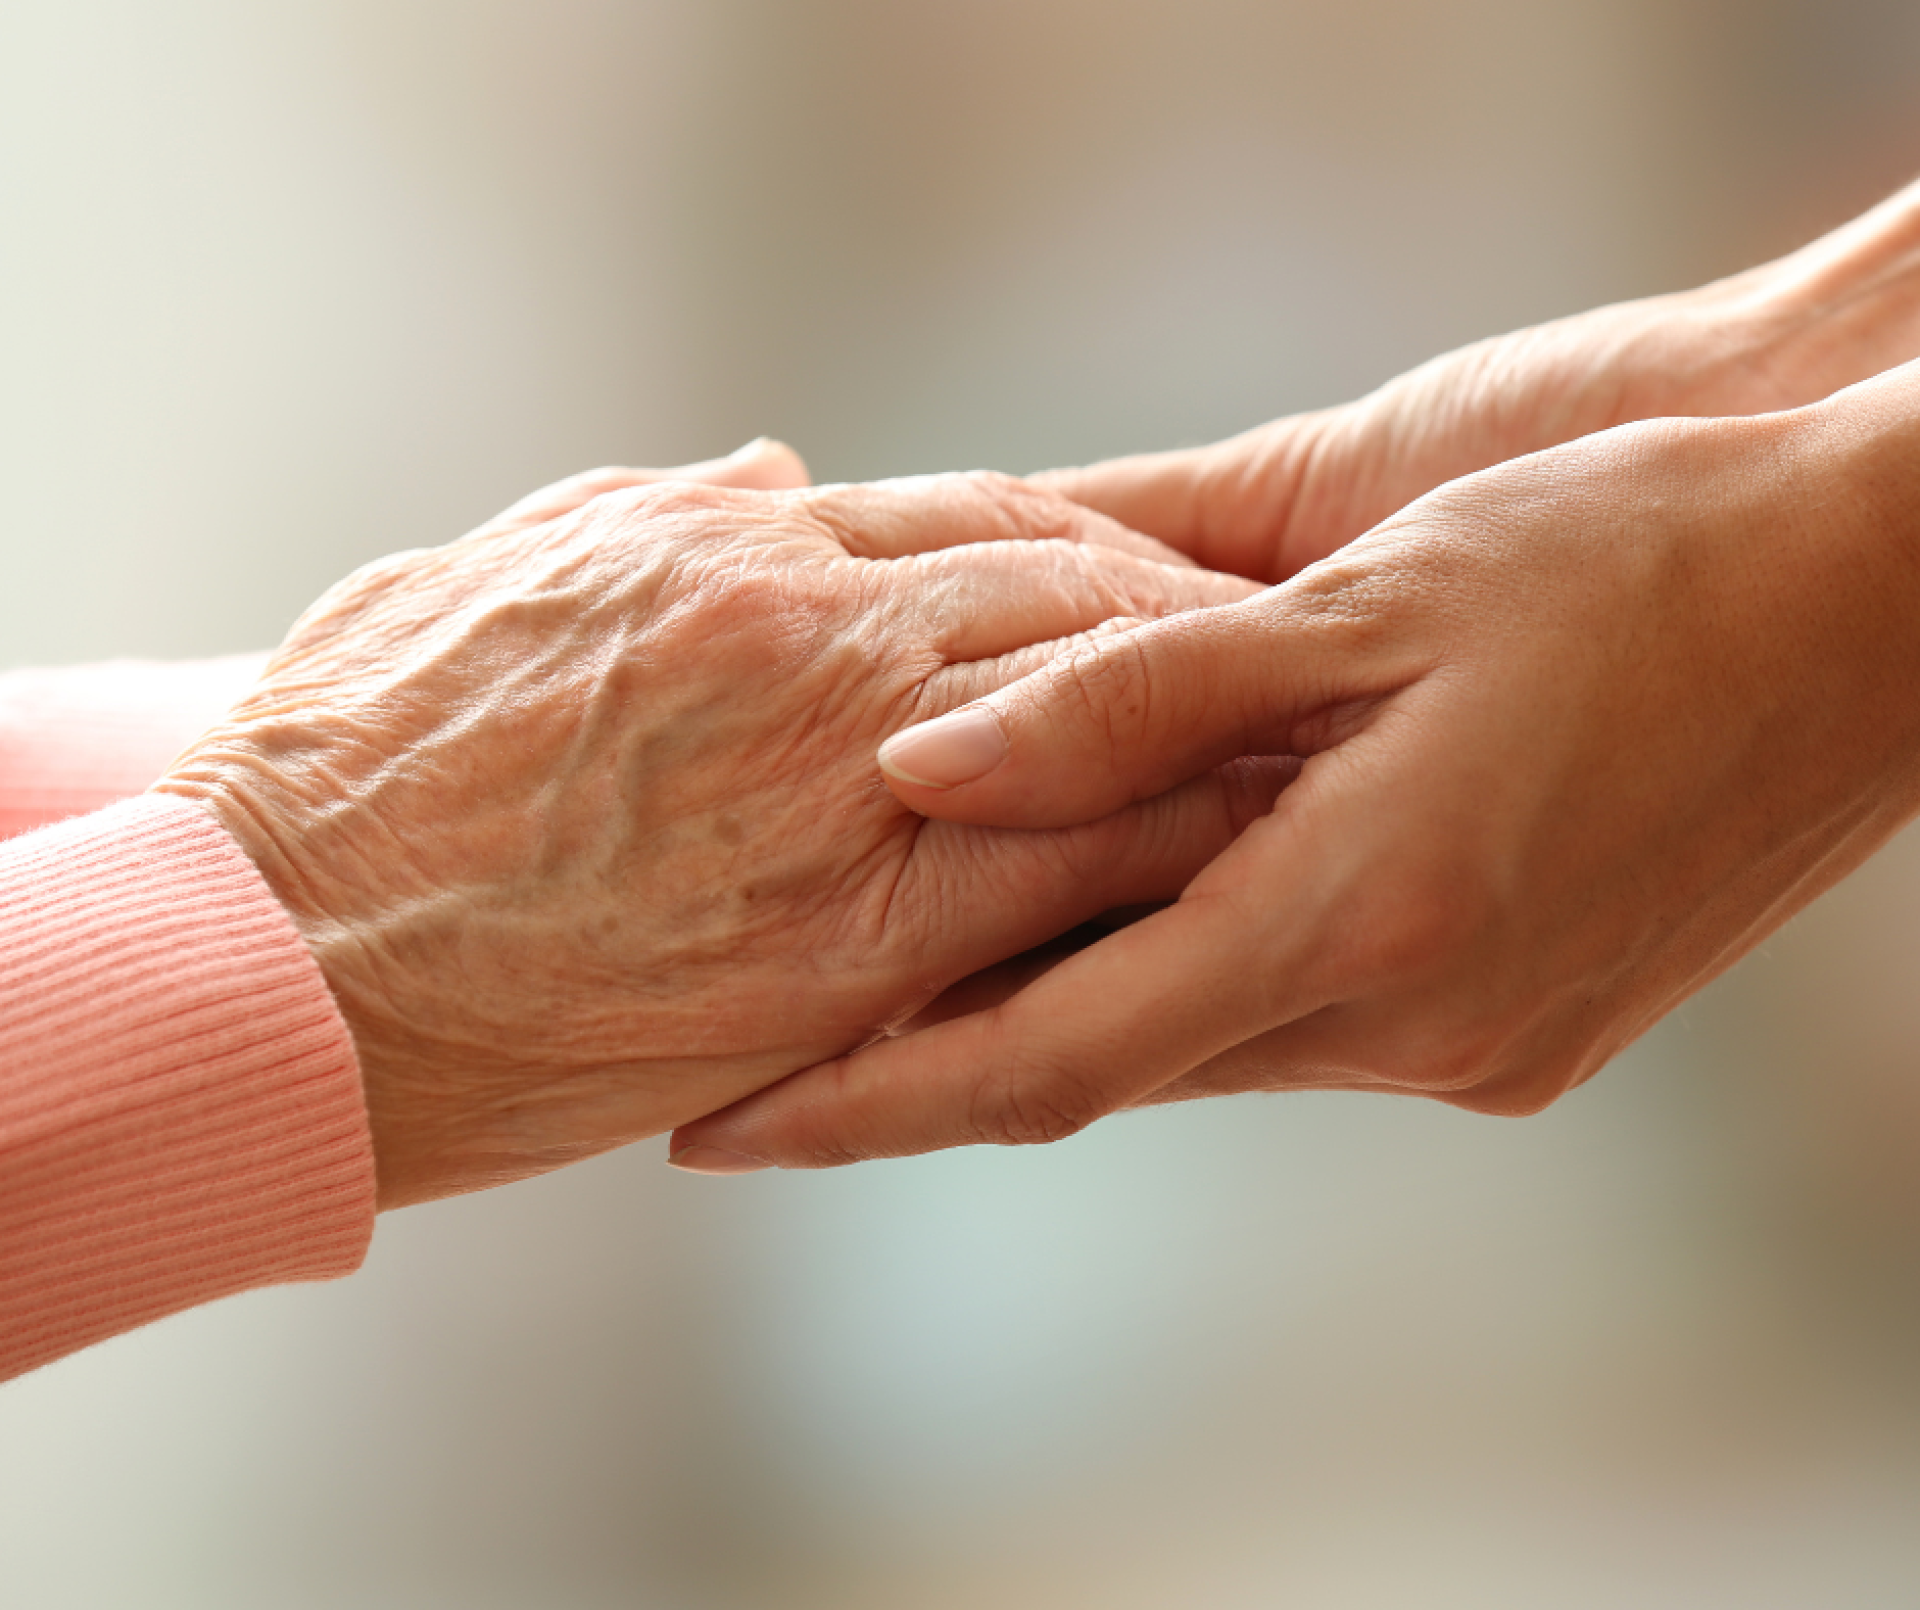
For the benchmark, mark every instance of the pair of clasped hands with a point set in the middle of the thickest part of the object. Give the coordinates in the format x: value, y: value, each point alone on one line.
x: 1439, y: 743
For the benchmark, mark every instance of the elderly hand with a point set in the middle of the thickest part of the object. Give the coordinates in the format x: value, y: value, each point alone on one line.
x: 1268, y: 503
x: 762, y: 465
x: 1578, y: 732
x: 578, y: 814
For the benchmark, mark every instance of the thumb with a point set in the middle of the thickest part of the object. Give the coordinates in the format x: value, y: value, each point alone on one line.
x: 763, y: 465
x: 1122, y: 718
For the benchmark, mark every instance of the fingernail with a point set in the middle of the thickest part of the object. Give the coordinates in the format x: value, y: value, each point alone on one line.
x: 713, y: 1160
x: 955, y: 749
x: 752, y: 449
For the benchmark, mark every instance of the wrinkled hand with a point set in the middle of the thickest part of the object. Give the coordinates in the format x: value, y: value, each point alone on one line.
x: 1268, y: 503
x: 1578, y: 732
x: 578, y: 815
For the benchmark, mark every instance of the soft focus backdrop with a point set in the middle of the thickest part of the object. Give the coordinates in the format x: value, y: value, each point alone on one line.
x: 285, y: 287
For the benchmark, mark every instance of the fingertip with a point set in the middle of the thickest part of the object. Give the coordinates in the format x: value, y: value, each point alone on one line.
x: 947, y: 752
x: 696, y: 1157
x: 768, y: 465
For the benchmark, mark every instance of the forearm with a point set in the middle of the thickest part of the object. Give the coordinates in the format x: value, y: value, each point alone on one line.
x: 1790, y: 332
x: 1780, y: 336
x: 76, y: 738
x: 1270, y: 502
x: 1869, y: 435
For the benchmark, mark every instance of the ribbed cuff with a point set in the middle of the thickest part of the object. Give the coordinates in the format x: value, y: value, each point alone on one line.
x: 181, y: 1115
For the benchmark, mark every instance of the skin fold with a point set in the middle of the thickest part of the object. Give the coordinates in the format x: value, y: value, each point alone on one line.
x: 577, y: 813
x: 1582, y: 711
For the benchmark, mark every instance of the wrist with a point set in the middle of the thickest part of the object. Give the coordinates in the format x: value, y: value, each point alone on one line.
x: 249, y: 796
x: 1857, y: 462
x: 1870, y: 435
x: 1793, y: 331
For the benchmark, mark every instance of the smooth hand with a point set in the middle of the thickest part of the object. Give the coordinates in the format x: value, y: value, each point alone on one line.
x: 578, y: 814
x: 1577, y: 733
x: 1277, y: 499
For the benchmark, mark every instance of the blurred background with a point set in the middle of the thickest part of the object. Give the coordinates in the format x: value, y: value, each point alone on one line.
x: 285, y: 287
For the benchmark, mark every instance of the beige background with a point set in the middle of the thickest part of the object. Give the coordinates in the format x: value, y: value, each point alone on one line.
x: 284, y: 287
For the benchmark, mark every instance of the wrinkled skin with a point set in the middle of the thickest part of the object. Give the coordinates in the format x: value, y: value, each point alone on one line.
x: 1286, y: 496
x: 1578, y: 732
x: 578, y: 816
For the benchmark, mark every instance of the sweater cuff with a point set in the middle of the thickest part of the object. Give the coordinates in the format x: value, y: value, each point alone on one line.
x: 181, y: 1115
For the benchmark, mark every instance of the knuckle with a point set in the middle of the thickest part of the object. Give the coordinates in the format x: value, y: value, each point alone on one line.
x: 658, y: 500
x: 1524, y: 1100
x: 1439, y: 1055
x: 1520, y: 1093
x: 1031, y: 511
x: 825, y: 1151
x: 1112, y: 626
x: 1033, y: 1104
x: 1353, y: 604
x: 1492, y: 1066
x: 996, y: 484
x: 1529, y: 1074
x: 1456, y: 1064
x: 831, y: 1128
x: 1085, y: 581
x: 1119, y: 583
x: 1107, y: 686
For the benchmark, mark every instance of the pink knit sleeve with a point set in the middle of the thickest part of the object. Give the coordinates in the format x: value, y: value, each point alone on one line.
x: 76, y: 737
x: 180, y: 1108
